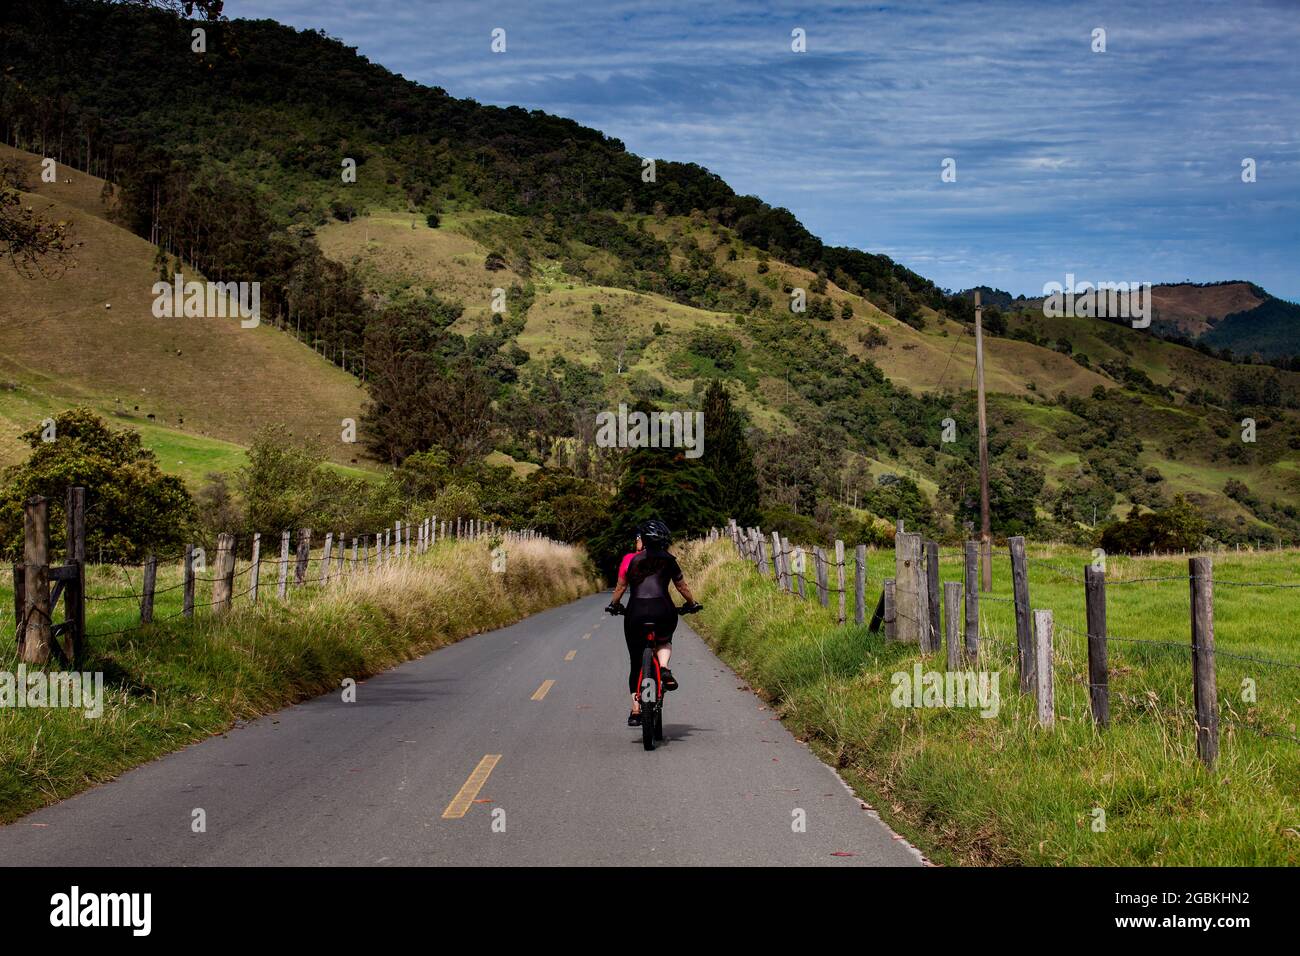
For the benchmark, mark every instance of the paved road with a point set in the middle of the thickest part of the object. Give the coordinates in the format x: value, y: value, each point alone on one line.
x: 371, y: 782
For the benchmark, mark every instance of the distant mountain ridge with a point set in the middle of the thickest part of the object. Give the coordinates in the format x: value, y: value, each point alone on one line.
x: 1234, y: 314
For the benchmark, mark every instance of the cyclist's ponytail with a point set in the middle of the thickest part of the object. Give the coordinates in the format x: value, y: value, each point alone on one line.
x: 650, y: 561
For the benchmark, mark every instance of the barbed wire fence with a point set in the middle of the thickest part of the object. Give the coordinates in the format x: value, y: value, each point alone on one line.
x: 909, y: 610
x: 299, y: 568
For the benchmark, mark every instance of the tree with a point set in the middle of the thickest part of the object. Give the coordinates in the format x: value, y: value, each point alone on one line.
x: 564, y: 506
x: 131, y: 506
x: 33, y: 245
x: 1083, y: 499
x: 727, y: 452
x: 1169, y: 529
x: 207, y: 9
x: 659, y: 483
x: 425, y: 390
x: 900, y: 497
x: 278, y: 484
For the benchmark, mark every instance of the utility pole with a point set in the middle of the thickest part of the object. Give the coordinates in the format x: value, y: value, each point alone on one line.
x: 986, y: 537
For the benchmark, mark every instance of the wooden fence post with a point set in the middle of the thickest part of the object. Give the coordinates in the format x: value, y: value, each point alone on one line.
x: 325, y: 561
x: 255, y: 572
x: 1205, y: 692
x: 823, y: 577
x: 338, y: 566
x: 776, y: 555
x: 764, y: 559
x: 972, y: 603
x: 355, y: 566
x: 35, y: 619
x: 1044, y: 689
x: 187, y: 605
x: 75, y: 511
x: 284, y: 564
x: 303, y: 556
x: 1024, y: 626
x: 932, y: 587
x: 147, y: 588
x: 860, y: 584
x: 910, y: 590
x: 75, y: 599
x: 839, y: 572
x: 801, y: 574
x: 952, y: 618
x: 1094, y: 590
x: 890, y: 611
x: 223, y: 574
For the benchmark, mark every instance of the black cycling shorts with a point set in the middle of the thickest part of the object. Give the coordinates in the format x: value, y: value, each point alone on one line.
x: 662, y: 613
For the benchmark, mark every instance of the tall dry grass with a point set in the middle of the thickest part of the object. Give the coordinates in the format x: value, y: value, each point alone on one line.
x: 175, y: 682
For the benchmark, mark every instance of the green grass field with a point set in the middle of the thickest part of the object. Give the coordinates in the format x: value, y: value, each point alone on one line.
x: 178, y: 680
x: 1001, y: 790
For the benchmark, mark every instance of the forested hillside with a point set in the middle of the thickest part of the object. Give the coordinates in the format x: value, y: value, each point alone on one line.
x: 495, y: 277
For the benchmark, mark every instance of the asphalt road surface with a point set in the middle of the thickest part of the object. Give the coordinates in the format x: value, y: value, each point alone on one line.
x: 468, y: 756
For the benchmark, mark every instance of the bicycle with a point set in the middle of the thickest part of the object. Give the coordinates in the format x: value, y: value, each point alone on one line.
x: 651, y: 691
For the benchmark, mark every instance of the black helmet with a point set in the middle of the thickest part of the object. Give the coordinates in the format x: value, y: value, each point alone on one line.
x: 655, y: 532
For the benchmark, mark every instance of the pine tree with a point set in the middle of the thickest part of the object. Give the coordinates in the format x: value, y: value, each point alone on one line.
x: 728, y: 455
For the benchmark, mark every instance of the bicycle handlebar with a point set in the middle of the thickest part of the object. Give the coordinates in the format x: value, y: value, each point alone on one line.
x: 618, y: 609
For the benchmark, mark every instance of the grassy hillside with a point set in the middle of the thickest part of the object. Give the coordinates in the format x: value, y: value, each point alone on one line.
x: 598, y: 326
x: 197, y: 389
x: 644, y: 290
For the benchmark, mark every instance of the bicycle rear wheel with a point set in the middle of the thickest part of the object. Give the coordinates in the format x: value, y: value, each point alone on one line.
x: 649, y: 699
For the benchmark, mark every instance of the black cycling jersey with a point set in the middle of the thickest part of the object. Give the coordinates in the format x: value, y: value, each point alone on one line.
x: 649, y: 603
x: 648, y: 575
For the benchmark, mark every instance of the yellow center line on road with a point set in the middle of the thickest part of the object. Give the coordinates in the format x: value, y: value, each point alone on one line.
x: 541, y: 691
x: 463, y: 800
x: 571, y: 655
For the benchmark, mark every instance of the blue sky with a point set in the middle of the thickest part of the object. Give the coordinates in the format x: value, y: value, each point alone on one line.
x: 1123, y: 165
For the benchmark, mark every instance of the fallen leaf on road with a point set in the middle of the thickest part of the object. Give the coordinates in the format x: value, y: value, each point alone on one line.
x: 842, y: 853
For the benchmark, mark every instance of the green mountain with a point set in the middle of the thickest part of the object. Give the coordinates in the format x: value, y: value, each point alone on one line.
x: 495, y: 277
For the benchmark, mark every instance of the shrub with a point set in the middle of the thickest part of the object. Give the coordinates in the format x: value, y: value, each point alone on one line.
x: 131, y: 506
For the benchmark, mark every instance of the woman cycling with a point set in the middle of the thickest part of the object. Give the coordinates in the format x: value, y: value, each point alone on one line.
x: 647, y: 578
